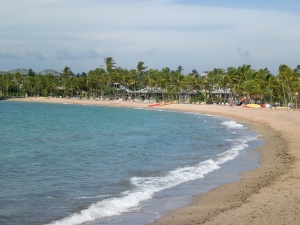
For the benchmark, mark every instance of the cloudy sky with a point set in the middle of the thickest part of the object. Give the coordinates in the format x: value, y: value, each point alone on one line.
x: 196, y: 34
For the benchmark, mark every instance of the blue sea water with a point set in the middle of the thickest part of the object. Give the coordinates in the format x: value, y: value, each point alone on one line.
x: 75, y: 164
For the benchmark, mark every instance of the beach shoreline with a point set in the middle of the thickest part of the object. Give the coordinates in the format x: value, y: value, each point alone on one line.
x: 269, y: 194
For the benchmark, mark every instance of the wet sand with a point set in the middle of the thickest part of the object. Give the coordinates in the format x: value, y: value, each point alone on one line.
x: 269, y: 194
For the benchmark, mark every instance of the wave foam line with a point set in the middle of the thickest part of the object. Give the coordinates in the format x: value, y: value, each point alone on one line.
x: 146, y: 187
x: 232, y: 124
x: 91, y: 197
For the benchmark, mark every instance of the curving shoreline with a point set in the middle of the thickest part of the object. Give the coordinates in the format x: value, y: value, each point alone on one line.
x: 269, y: 194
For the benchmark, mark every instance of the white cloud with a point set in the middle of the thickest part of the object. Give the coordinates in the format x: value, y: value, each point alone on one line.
x: 158, y: 32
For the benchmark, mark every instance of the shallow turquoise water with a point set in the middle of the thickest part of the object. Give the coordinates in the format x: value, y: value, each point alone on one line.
x: 71, y: 164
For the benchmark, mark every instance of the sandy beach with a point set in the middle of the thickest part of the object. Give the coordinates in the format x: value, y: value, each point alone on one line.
x: 270, y: 194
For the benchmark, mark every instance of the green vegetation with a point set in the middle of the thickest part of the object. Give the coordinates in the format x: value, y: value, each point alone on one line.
x: 112, y: 82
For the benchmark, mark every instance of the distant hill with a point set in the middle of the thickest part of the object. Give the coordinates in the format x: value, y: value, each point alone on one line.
x: 25, y: 72
x: 49, y: 71
x: 22, y: 71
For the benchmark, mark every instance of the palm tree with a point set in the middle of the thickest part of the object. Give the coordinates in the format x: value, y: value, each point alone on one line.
x: 31, y: 73
x: 152, y: 82
x: 245, y: 73
x: 285, y: 77
x: 116, y: 80
x: 91, y: 83
x: 7, y: 82
x: 101, y: 80
x: 38, y: 84
x: 225, y: 84
x: 289, y: 81
x: 26, y: 88
x: 175, y: 83
x: 233, y: 81
x: 190, y: 84
x: 131, y: 82
x: 50, y: 85
x: 110, y: 65
x: 65, y: 77
x: 195, y: 73
x: 218, y: 80
x: 74, y: 87
x: 250, y: 87
x: 17, y: 79
x: 165, y: 84
x: 179, y: 69
x: 264, y: 79
x: 123, y: 80
x: 209, y: 84
x: 140, y: 72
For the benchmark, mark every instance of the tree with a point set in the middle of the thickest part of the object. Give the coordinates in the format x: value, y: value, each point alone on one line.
x: 245, y: 73
x: 39, y: 84
x: 250, y: 87
x: 232, y: 81
x: 287, y: 79
x: 140, y: 72
x: 65, y: 78
x: 264, y: 79
x: 177, y: 79
x: 195, y: 73
x: 50, y: 84
x: 31, y: 73
x: 17, y: 80
x: 7, y: 83
x: 179, y: 69
x: 110, y: 65
x: 172, y: 85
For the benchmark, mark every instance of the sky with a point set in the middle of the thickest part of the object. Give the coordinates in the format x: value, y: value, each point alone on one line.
x: 194, y: 34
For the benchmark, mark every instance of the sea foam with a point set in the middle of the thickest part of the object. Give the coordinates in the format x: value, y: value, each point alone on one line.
x: 146, y: 187
x: 232, y: 124
x: 107, y: 160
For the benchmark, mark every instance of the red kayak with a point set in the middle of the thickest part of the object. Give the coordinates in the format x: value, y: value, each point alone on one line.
x: 154, y: 104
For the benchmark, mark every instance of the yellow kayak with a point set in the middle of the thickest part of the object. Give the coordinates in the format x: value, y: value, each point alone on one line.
x: 167, y: 103
x: 253, y: 106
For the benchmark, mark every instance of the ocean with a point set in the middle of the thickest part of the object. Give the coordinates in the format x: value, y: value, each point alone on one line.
x: 64, y: 164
